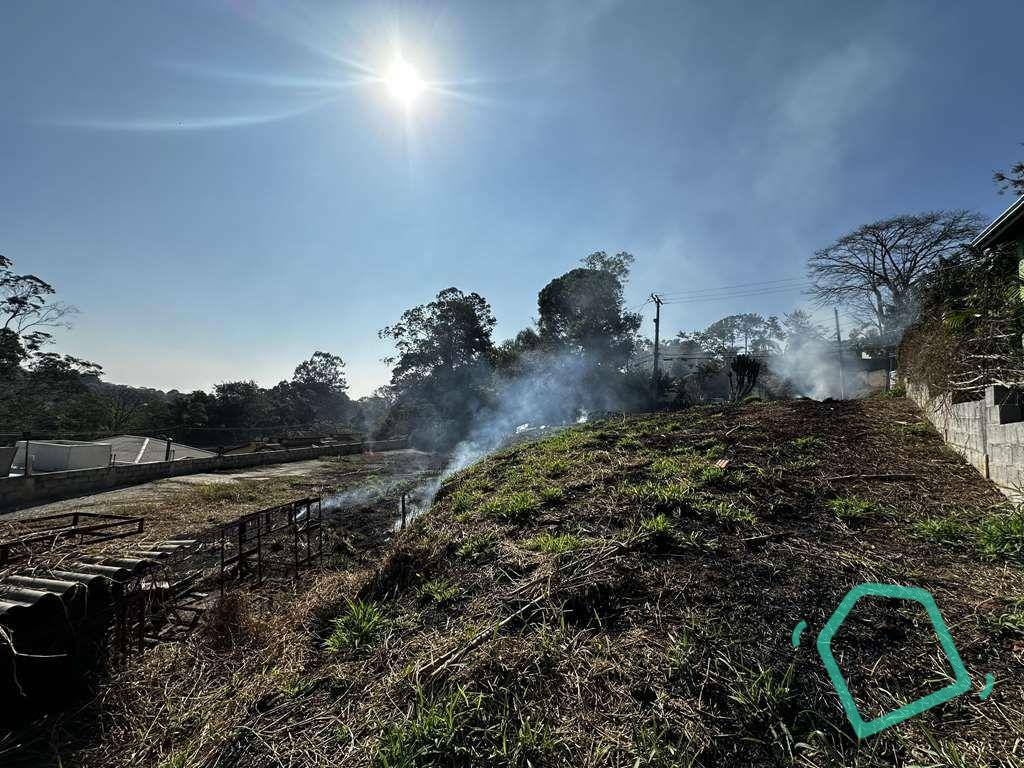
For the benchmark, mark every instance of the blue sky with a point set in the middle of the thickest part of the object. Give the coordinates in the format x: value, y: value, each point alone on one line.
x: 222, y: 188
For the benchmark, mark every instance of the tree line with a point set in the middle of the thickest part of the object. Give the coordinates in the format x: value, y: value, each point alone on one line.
x: 583, y: 351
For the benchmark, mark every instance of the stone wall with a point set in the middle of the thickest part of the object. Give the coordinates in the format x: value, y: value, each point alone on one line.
x: 988, y: 433
x: 50, y: 486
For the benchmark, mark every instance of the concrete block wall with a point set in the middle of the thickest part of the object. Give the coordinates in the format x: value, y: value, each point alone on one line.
x: 18, y: 492
x: 988, y: 433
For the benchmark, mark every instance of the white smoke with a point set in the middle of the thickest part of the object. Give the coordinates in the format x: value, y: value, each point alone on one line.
x: 812, y: 370
x: 553, y: 391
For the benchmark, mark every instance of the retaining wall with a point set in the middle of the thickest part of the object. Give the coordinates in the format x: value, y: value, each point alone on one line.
x: 988, y: 433
x: 50, y: 486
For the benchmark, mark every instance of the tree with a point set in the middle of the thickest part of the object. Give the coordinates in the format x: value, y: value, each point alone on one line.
x: 12, y: 352
x: 443, y: 363
x: 1012, y: 180
x: 582, y: 312
x: 749, y: 333
x: 744, y: 371
x: 26, y: 308
x: 799, y: 330
x: 322, y: 370
x: 238, y: 405
x: 618, y: 265
x: 877, y: 269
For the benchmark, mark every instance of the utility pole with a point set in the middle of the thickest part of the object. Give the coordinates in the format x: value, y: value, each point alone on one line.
x: 657, y: 352
x: 839, y: 353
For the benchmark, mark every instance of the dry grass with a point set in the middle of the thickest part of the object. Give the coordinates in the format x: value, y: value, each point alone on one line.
x: 646, y: 621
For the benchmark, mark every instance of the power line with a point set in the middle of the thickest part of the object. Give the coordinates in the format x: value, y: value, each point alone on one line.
x: 735, y: 295
x: 728, y: 288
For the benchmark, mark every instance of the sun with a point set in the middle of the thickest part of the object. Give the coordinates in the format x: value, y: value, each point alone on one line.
x: 404, y: 82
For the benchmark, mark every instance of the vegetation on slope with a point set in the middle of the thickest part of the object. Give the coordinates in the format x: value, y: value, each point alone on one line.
x: 623, y: 593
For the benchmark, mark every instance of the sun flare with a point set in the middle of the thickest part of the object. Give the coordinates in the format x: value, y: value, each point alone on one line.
x: 404, y: 82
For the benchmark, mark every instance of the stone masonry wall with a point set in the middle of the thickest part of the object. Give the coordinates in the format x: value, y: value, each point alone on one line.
x: 24, y: 491
x: 988, y: 433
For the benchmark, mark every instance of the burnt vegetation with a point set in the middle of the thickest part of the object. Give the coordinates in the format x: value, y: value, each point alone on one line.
x: 620, y: 593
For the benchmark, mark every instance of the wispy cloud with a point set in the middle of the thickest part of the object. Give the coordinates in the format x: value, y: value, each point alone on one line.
x: 195, y: 123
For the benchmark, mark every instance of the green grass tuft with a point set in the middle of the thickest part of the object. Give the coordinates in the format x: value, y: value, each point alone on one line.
x: 942, y: 530
x: 477, y: 546
x: 657, y: 526
x: 852, y: 508
x: 649, y: 493
x: 1001, y: 535
x: 438, y: 591
x: 551, y: 494
x: 515, y: 507
x: 357, y: 628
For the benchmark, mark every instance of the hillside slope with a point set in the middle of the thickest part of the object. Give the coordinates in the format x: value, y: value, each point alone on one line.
x: 624, y: 594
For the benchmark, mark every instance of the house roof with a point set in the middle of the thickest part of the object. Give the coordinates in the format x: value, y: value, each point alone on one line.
x: 131, y: 449
x: 1005, y: 223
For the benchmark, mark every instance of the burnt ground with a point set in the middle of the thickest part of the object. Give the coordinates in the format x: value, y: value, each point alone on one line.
x: 622, y: 593
x: 194, y: 506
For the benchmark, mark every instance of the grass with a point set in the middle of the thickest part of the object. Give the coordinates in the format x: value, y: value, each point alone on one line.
x: 478, y: 546
x: 659, y: 744
x: 438, y: 591
x: 659, y: 525
x: 996, y: 537
x: 463, y: 502
x: 726, y: 511
x: 852, y: 508
x: 238, y: 492
x: 554, y: 544
x: 631, y: 653
x: 515, y: 507
x: 357, y: 628
x: 551, y: 494
x: 667, y: 468
x: 1012, y: 621
x: 808, y: 443
x: 433, y: 735
x: 653, y: 494
x: 462, y: 728
x: 1001, y: 536
x: 761, y: 693
x: 950, y: 529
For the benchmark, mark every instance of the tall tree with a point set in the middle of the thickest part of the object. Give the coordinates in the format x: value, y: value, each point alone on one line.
x: 800, y: 330
x: 443, y: 362
x: 1011, y: 180
x: 618, y: 265
x: 877, y: 269
x: 747, y: 333
x: 27, y: 308
x: 582, y: 312
x: 322, y: 370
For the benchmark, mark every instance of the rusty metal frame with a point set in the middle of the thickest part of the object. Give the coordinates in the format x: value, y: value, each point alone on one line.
x: 57, y: 528
x: 247, y: 544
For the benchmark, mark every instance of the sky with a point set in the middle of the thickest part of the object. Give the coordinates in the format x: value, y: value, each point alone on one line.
x: 223, y: 187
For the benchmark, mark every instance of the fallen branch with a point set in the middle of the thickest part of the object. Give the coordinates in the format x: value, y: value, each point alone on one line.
x: 438, y: 665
